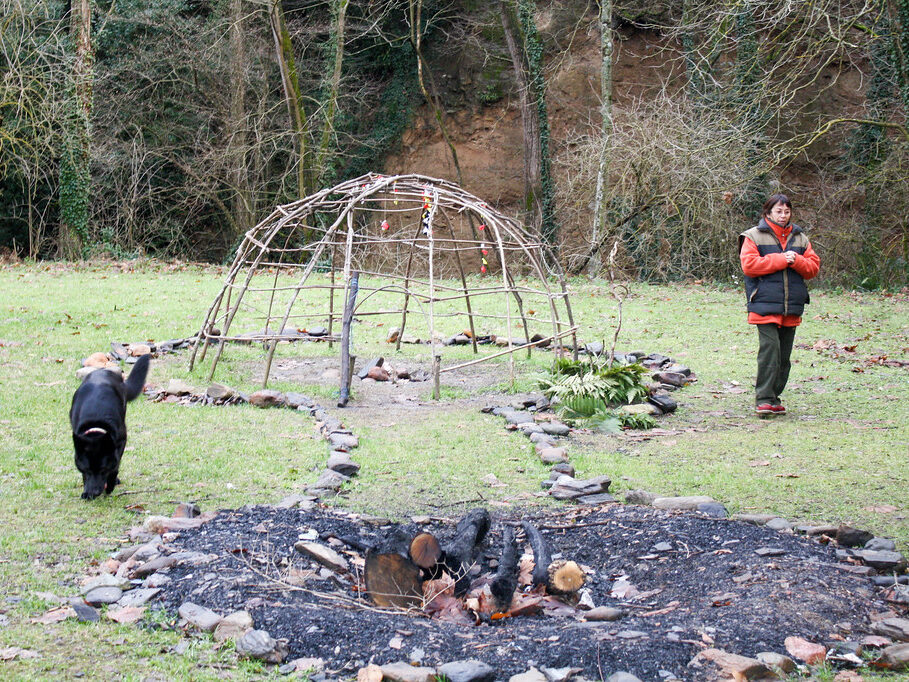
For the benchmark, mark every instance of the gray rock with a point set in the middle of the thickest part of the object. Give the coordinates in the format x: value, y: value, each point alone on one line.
x: 662, y: 547
x: 469, y: 670
x: 895, y: 657
x: 774, y: 660
x: 542, y: 438
x: 671, y: 378
x: 343, y: 441
x: 554, y: 428
x: 375, y: 362
x: 324, y: 555
x: 677, y: 369
x: 341, y: 462
x: 778, y: 524
x: 713, y: 510
x: 567, y: 488
x: 756, y: 519
x: 261, y: 645
x: 593, y: 348
x: 220, y: 392
x: 559, y: 674
x: 138, y: 597
x: 404, y: 672
x: 85, y: 613
x: 622, y: 676
x: 532, y: 675
x: 684, y: 502
x: 553, y: 455
x: 882, y: 560
x: 152, y: 566
x: 297, y: 400
x: 317, y: 331
x: 888, y: 580
x: 329, y: 480
x: 599, y: 498
x: 266, y: 397
x: 529, y: 428
x: 178, y: 387
x: 199, y: 617
x: 881, y: 545
x: 518, y: 417
x: 640, y: 497
x: 894, y: 628
x: 604, y: 613
x: 103, y: 595
x: 770, y: 551
x: 106, y: 580
x: 563, y: 468
x: 233, y: 626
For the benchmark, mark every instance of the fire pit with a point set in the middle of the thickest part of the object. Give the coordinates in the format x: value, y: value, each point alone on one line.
x: 658, y: 587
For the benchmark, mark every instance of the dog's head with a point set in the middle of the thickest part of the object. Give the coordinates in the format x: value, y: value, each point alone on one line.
x: 96, y: 459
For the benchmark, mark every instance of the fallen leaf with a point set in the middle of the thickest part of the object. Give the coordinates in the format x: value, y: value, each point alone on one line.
x: 787, y: 476
x: 126, y: 615
x: 759, y: 463
x: 622, y: 589
x: 396, y: 642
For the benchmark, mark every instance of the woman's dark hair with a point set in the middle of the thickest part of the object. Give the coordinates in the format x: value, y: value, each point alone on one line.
x: 773, y: 201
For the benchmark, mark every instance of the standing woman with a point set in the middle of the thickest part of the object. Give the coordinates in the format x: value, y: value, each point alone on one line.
x: 776, y: 258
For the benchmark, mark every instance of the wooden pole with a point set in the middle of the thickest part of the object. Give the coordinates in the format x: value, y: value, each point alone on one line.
x: 346, y: 365
x: 473, y: 333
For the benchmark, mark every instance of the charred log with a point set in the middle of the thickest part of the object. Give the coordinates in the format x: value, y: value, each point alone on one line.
x: 505, y: 581
x: 559, y: 577
x: 542, y: 557
x: 458, y: 553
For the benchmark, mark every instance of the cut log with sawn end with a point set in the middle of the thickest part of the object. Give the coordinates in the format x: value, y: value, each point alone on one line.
x: 394, y: 568
x: 560, y: 576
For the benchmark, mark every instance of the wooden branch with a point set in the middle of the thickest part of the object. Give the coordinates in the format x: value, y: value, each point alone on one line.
x: 505, y: 581
x: 541, y: 554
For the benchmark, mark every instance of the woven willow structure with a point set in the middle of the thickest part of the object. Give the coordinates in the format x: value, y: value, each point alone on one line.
x: 451, y: 264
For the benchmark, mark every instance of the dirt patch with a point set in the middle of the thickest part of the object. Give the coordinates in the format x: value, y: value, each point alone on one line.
x: 713, y: 583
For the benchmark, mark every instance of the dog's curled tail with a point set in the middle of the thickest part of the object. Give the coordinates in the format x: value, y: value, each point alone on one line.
x: 135, y: 382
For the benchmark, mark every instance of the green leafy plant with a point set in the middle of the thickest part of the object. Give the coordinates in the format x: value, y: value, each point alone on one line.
x: 580, y: 385
x: 587, y: 391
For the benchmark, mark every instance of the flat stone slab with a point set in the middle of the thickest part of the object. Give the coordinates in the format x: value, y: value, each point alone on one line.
x: 199, y: 617
x: 689, y: 502
x: 324, y: 555
x: 467, y: 671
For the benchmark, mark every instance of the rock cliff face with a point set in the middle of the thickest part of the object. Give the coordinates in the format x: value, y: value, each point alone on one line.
x: 483, y: 118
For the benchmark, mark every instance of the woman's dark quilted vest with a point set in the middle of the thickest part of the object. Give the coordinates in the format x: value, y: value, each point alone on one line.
x: 782, y: 292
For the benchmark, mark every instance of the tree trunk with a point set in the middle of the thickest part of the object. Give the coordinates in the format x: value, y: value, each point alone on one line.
x: 533, y: 49
x: 332, y: 88
x: 292, y: 95
x: 75, y: 174
x: 242, y: 206
x: 529, y: 117
x: 599, y: 211
x: 416, y: 39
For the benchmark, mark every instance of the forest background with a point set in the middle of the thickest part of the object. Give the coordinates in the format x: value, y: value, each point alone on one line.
x: 167, y: 128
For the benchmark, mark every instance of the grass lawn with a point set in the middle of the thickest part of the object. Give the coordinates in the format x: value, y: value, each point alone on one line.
x: 839, y: 456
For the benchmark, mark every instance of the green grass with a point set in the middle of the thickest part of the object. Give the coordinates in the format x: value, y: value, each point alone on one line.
x: 845, y: 439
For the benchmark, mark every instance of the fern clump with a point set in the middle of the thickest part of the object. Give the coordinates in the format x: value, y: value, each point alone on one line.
x: 590, y: 390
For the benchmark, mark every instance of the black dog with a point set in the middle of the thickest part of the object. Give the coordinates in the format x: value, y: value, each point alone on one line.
x: 98, y: 418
